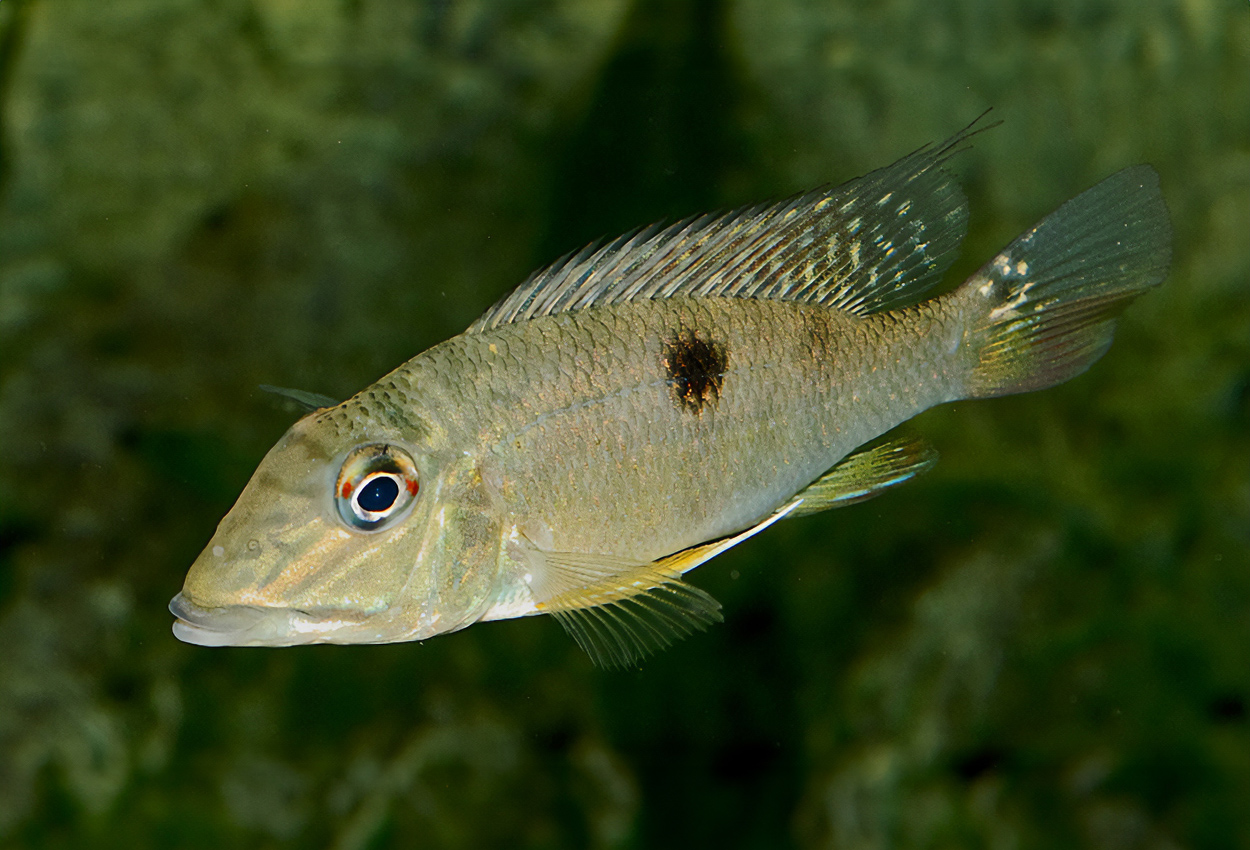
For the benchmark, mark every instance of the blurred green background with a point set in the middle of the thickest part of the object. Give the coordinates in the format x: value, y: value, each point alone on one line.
x: 1043, y: 643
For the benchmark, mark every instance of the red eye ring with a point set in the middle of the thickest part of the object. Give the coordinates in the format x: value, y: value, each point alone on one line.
x: 376, y: 487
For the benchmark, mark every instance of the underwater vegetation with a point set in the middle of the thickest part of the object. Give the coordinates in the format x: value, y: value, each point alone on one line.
x: 1042, y: 642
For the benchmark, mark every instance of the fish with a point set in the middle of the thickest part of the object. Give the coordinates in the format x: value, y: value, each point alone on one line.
x: 640, y: 406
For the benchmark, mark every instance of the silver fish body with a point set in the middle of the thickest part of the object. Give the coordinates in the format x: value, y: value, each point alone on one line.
x: 634, y: 410
x: 595, y: 440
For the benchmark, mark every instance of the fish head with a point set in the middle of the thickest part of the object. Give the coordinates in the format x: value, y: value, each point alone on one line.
x: 346, y: 533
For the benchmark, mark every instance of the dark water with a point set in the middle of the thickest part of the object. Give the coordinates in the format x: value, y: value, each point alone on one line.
x: 1043, y: 643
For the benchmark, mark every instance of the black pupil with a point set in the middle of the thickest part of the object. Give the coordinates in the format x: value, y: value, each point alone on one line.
x: 379, y: 494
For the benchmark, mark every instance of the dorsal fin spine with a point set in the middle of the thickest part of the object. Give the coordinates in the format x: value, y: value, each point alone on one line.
x: 889, y: 237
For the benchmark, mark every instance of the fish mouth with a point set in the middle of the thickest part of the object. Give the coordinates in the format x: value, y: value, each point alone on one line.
x: 254, y: 625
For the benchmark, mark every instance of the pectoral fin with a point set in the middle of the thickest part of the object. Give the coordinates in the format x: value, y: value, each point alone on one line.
x: 618, y: 611
x: 865, y: 474
x: 308, y: 402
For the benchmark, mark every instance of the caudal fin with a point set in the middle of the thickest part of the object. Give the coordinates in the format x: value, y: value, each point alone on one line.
x: 1045, y: 307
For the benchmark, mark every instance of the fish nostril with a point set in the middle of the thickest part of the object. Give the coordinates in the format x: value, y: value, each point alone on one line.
x: 250, y: 552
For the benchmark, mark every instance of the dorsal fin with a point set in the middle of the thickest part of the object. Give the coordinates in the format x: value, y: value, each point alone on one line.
x: 874, y: 243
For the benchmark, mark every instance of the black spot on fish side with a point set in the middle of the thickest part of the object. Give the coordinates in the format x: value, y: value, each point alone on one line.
x: 696, y: 369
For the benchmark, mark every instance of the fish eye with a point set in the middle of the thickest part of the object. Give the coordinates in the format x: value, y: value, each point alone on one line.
x: 378, y: 493
x: 376, y: 486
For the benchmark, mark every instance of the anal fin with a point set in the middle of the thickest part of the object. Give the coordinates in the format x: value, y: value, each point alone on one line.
x: 865, y: 474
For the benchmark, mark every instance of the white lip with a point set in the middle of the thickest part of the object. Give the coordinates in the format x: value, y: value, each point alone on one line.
x: 253, y: 625
x: 247, y: 625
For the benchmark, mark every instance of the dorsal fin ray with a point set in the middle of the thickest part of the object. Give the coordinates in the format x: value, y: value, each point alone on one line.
x: 874, y: 243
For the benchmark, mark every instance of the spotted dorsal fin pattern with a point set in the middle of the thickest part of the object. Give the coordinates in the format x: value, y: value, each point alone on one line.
x: 874, y: 243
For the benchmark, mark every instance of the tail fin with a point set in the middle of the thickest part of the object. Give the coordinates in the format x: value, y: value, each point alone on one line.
x: 1048, y: 301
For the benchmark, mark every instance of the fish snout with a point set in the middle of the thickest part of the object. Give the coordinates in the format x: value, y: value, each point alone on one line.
x: 233, y: 625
